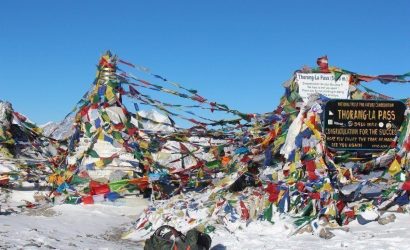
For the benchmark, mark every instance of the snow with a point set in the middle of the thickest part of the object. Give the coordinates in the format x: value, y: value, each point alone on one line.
x: 102, y: 226
x: 66, y: 226
x: 263, y: 235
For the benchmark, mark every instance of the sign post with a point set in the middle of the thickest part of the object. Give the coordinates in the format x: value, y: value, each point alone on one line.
x: 362, y: 124
x: 323, y: 83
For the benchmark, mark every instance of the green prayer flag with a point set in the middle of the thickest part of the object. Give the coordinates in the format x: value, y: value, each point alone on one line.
x: 213, y: 164
x: 118, y: 185
x: 337, y: 75
x: 267, y: 214
x: 93, y: 153
x: 88, y: 127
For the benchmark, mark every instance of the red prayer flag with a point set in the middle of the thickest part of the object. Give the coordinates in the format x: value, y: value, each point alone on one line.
x: 310, y: 166
x: 406, y: 186
x: 244, y: 210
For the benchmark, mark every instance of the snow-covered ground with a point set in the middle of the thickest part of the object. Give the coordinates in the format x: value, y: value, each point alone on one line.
x: 263, y: 235
x: 102, y: 226
x: 69, y: 226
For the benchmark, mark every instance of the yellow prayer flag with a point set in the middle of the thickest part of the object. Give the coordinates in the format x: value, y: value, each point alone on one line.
x: 68, y: 174
x: 292, y: 167
x: 38, y: 130
x: 100, y: 135
x: 109, y: 93
x: 327, y: 187
x: 394, y: 168
x: 297, y: 156
x: 331, y: 210
x: 275, y: 176
x: 52, y: 178
x: 99, y: 163
x: 143, y: 144
x: 320, y: 163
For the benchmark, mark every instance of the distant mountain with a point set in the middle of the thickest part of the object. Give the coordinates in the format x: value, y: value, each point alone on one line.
x: 59, y: 130
x: 20, y: 137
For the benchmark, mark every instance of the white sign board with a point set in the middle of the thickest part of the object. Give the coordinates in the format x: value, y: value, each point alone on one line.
x: 323, y: 83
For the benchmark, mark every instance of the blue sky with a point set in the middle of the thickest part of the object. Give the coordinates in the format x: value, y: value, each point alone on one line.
x: 234, y: 52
